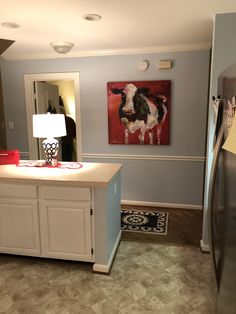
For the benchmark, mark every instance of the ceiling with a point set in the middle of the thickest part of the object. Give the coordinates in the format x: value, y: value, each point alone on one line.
x: 127, y: 26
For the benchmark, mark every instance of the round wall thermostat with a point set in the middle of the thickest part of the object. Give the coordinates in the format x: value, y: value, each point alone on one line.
x: 143, y: 65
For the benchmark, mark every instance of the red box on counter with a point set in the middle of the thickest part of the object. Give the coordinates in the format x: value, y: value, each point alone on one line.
x: 8, y: 157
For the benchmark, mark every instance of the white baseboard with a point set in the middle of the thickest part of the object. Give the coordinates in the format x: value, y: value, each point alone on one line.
x: 159, y: 204
x: 204, y: 247
x: 105, y: 268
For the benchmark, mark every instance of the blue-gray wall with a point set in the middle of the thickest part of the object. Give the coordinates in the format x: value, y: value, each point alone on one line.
x: 150, y: 173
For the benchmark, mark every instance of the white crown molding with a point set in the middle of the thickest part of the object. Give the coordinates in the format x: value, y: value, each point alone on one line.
x: 162, y: 205
x: 144, y: 157
x: 107, y: 52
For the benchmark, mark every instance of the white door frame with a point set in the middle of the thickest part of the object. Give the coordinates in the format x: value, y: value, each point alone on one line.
x: 30, y: 108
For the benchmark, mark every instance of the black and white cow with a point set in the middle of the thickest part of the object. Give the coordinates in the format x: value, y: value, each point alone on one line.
x: 142, y: 111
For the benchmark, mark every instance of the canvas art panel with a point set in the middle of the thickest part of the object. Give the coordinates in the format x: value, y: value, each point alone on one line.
x: 139, y: 112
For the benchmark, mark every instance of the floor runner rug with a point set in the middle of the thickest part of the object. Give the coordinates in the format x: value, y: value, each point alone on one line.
x: 155, y: 222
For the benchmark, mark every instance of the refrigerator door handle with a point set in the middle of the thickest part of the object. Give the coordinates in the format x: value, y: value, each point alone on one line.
x: 217, y: 150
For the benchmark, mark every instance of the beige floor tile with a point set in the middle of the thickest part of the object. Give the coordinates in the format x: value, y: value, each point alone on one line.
x: 146, y: 277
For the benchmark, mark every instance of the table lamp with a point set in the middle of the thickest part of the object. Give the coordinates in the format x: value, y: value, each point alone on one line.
x: 49, y: 126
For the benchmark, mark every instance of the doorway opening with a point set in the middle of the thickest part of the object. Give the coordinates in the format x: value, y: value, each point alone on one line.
x: 50, y: 91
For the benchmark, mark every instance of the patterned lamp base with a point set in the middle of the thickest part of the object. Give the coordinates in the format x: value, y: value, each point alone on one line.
x: 50, y: 146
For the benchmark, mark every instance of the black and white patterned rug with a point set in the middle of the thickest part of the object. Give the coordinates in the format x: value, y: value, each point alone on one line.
x: 142, y: 221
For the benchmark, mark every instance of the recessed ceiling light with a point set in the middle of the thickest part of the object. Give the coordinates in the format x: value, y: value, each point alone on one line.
x: 10, y: 25
x: 92, y: 17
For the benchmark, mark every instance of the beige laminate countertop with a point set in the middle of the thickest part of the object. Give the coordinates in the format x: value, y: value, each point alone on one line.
x: 90, y: 174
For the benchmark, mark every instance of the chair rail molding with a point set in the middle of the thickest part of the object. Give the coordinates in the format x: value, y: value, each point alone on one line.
x: 144, y: 157
x: 136, y: 157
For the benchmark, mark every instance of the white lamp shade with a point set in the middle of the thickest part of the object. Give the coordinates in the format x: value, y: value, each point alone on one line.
x: 49, y: 125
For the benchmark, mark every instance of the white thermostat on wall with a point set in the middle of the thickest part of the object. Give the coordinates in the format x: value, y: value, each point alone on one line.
x: 143, y: 65
x: 165, y: 64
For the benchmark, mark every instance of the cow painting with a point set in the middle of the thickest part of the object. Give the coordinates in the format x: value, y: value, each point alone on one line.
x: 142, y: 111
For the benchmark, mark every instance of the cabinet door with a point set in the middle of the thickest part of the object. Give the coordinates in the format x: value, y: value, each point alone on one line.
x: 19, y: 227
x: 66, y: 230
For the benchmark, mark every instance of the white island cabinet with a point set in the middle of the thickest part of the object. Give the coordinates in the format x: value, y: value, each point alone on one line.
x: 61, y: 213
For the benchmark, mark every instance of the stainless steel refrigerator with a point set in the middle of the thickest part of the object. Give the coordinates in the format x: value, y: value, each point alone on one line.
x: 222, y: 218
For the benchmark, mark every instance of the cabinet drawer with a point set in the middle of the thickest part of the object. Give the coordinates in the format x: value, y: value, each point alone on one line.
x: 18, y: 190
x: 63, y: 193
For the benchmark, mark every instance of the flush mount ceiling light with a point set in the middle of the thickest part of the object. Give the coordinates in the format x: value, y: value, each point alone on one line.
x: 62, y: 46
x: 10, y: 25
x: 92, y: 17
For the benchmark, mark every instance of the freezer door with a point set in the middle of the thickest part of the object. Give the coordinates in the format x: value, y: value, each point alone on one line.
x: 226, y: 301
x: 218, y: 218
x: 216, y: 208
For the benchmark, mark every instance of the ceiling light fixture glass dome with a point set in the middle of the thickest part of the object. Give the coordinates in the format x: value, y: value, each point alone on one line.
x: 62, y: 46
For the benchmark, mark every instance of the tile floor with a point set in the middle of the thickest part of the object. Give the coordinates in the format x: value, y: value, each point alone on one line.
x: 148, y: 276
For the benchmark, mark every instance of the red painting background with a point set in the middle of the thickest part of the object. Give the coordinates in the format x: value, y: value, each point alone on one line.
x: 116, y: 127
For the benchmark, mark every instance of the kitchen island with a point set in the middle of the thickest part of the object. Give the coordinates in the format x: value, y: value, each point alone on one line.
x: 65, y: 212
